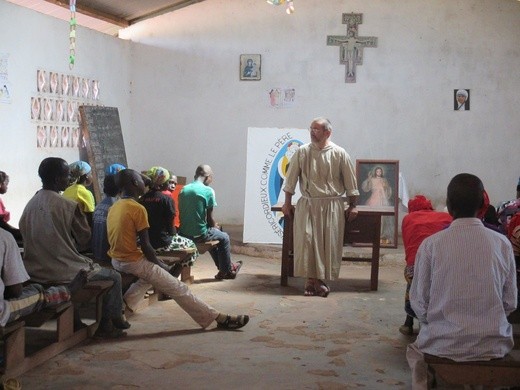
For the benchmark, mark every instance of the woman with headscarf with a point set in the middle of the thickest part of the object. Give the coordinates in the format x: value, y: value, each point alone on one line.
x: 161, y: 213
x: 421, y: 222
x: 81, y: 178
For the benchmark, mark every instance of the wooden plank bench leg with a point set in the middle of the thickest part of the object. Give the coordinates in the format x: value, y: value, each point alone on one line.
x: 94, y: 290
x: 17, y: 361
x: 186, y: 276
x: 14, y: 345
x: 65, y: 324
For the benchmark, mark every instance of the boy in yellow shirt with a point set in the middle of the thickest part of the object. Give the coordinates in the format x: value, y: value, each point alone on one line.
x: 128, y: 220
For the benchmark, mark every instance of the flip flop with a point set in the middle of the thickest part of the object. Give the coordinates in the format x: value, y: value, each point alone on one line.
x: 236, y: 267
x: 233, y: 322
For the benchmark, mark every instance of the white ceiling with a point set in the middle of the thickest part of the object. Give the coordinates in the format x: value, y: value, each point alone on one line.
x: 106, y: 16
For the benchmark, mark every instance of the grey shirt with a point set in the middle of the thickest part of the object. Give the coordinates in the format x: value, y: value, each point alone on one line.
x: 54, y: 230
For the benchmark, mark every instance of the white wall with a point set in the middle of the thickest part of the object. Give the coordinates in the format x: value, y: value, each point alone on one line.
x: 35, y: 41
x: 189, y: 106
x: 181, y: 102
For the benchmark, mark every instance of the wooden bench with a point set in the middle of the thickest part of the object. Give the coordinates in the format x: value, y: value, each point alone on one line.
x: 180, y: 255
x: 21, y: 356
x: 94, y: 290
x: 493, y: 373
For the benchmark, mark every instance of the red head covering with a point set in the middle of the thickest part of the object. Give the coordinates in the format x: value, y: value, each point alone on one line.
x: 484, y: 207
x: 419, y: 202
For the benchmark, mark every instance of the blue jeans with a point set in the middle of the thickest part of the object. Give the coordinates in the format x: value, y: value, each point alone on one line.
x: 113, y: 300
x: 221, y: 254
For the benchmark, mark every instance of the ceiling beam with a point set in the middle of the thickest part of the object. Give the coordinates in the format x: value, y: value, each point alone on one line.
x: 166, y: 9
x: 93, y: 13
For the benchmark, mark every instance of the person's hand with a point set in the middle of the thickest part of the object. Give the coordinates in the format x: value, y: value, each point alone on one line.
x: 288, y: 210
x: 351, y: 213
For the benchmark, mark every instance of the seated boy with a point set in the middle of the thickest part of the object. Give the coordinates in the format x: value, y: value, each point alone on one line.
x: 127, y: 220
x: 17, y: 300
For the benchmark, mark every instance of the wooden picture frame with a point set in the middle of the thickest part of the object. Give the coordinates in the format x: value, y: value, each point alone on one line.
x: 250, y: 67
x: 378, y: 183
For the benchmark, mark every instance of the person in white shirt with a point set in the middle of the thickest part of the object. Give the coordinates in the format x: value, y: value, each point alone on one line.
x: 464, y: 286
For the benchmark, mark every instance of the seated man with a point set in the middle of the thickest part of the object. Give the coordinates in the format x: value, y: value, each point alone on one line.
x: 128, y: 220
x: 196, y: 203
x: 17, y: 300
x: 420, y: 222
x: 464, y: 286
x: 54, y: 230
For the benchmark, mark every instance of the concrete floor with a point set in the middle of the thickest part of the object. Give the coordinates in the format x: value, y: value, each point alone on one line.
x: 348, y: 340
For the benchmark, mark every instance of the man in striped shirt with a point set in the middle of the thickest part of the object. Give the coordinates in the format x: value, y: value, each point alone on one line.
x: 464, y: 286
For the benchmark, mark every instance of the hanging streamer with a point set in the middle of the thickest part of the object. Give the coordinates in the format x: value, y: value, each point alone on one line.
x: 289, y: 7
x: 72, y: 34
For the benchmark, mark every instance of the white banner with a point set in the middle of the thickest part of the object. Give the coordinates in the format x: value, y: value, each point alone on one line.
x: 269, y: 151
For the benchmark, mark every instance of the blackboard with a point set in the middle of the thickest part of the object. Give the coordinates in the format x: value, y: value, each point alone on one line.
x: 102, y: 143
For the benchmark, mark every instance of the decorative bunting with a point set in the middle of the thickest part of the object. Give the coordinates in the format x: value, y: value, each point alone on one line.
x: 72, y: 34
x: 289, y: 8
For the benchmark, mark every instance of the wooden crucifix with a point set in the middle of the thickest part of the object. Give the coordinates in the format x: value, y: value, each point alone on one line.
x: 351, y: 46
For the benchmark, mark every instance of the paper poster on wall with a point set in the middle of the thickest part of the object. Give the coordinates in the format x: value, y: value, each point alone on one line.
x: 5, y: 86
x: 269, y: 151
x: 282, y: 97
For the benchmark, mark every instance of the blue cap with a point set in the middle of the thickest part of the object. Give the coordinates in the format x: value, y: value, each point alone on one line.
x: 114, y: 168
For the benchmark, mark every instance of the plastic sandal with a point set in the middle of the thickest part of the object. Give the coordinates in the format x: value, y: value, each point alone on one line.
x: 234, y: 322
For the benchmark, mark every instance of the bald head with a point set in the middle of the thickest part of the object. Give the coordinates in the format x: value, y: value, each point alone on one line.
x: 203, y: 171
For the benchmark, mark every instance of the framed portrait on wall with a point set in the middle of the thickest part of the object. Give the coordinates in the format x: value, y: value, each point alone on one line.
x: 461, y: 99
x: 378, y: 183
x: 250, y: 66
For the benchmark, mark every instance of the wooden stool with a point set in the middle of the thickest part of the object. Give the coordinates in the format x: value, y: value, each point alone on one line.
x: 493, y: 373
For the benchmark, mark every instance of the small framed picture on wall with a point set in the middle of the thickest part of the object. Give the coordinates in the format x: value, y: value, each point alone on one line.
x: 461, y: 99
x: 250, y: 66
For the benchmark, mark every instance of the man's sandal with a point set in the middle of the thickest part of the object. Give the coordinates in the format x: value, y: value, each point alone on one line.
x: 322, y: 290
x: 233, y: 322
